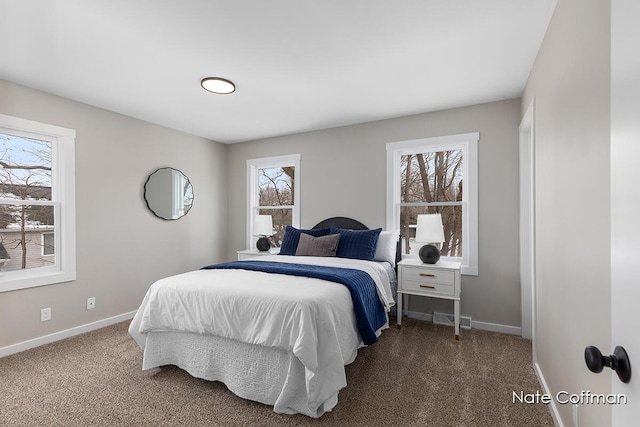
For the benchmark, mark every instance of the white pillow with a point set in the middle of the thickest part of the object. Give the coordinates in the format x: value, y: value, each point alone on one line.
x: 386, y: 249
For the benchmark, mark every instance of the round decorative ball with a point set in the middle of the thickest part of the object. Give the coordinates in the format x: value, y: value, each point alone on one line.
x: 429, y: 254
x: 263, y: 244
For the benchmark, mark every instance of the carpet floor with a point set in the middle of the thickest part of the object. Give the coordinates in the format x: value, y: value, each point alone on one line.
x: 414, y: 376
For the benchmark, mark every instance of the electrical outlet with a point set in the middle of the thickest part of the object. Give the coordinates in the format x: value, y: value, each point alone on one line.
x: 91, y: 303
x: 45, y: 314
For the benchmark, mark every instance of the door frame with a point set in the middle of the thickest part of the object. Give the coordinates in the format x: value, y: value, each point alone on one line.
x: 625, y: 229
x: 527, y: 225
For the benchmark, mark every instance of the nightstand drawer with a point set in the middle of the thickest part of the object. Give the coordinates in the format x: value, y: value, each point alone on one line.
x: 428, y: 286
x: 432, y: 276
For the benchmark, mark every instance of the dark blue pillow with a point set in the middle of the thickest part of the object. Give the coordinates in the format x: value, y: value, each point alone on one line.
x: 357, y: 244
x: 292, y: 237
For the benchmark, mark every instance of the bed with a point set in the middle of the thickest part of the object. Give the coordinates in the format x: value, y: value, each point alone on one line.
x: 276, y: 329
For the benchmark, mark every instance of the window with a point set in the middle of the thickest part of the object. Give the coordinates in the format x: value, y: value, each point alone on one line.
x: 48, y: 244
x: 436, y: 175
x: 273, y: 189
x: 37, y: 204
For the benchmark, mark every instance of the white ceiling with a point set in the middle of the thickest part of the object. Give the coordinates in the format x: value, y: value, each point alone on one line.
x: 299, y: 65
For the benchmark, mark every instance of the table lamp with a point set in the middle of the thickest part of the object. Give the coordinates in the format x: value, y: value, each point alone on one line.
x: 429, y: 230
x: 263, y: 228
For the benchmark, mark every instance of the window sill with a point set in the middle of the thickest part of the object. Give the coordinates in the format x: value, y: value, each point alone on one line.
x: 13, y: 281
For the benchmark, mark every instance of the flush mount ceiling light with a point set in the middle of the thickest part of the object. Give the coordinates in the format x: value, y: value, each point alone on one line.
x: 218, y: 85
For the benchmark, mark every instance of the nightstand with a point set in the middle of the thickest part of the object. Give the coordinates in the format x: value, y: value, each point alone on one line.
x: 252, y: 253
x: 440, y: 280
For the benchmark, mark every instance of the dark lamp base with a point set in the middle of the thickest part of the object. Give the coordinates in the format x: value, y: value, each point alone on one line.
x: 263, y: 244
x: 429, y: 254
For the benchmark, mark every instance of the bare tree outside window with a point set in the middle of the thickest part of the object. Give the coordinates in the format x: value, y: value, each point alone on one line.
x: 432, y: 182
x: 276, y: 198
x: 26, y: 207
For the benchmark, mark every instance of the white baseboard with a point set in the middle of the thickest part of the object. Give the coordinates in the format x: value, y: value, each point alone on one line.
x: 494, y: 327
x: 505, y: 329
x: 545, y: 389
x: 420, y: 316
x: 57, y: 336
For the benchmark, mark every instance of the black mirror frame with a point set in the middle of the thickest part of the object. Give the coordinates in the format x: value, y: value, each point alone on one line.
x: 147, y: 201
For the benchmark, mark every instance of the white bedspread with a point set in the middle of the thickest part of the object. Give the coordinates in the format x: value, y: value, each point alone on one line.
x: 312, y: 318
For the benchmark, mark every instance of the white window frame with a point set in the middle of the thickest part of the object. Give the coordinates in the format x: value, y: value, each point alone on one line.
x: 467, y: 143
x: 43, y: 245
x: 62, y: 198
x: 253, y: 193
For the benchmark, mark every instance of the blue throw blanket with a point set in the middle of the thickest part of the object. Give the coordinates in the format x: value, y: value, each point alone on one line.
x: 370, y: 314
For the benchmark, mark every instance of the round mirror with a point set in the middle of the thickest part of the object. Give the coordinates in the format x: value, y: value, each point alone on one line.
x: 168, y: 193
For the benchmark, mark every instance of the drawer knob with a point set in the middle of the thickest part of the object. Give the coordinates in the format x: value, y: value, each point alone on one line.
x: 427, y: 275
x: 427, y: 286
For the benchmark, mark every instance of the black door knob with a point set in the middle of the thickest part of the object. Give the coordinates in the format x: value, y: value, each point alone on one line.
x: 618, y: 361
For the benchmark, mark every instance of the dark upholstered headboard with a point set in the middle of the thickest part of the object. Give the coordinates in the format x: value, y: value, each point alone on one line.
x: 341, y: 222
x: 352, y: 224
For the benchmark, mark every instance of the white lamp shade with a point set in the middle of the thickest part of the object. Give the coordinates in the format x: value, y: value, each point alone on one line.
x: 263, y: 225
x: 429, y: 229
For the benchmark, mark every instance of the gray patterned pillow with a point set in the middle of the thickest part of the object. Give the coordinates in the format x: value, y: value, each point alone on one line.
x: 317, y: 246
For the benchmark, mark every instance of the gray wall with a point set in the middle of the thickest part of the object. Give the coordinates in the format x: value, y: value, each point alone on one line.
x: 570, y: 83
x: 343, y: 173
x: 121, y: 247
